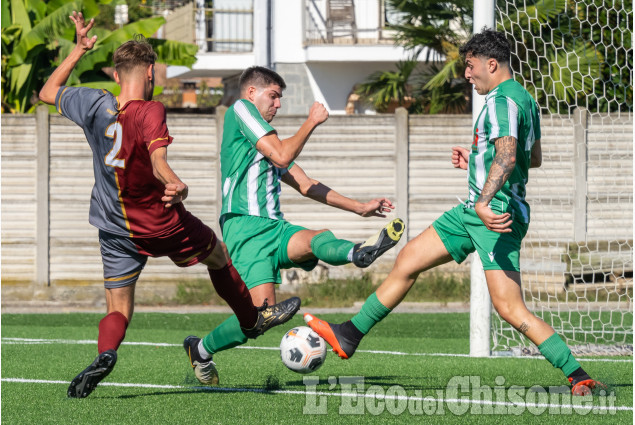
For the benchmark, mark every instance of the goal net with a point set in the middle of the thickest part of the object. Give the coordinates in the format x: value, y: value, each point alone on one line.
x: 575, y: 58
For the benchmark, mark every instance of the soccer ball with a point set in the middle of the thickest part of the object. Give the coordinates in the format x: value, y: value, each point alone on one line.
x: 302, y: 350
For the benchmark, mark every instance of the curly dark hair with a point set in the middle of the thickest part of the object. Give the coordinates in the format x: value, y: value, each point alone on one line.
x: 488, y: 43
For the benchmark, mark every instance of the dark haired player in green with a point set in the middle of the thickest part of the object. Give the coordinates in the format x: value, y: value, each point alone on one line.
x: 492, y: 222
x: 260, y: 242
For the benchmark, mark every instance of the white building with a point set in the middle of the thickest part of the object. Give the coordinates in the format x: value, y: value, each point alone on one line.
x: 322, y: 48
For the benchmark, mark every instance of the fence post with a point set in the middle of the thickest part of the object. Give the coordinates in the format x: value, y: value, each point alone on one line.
x: 220, y: 124
x: 402, y: 191
x: 580, y: 161
x: 42, y: 233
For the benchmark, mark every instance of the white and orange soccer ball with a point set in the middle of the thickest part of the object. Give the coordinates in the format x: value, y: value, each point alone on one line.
x: 302, y: 350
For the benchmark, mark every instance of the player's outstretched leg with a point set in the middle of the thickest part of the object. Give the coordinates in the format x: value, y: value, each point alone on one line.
x: 87, y: 380
x: 365, y: 253
x: 274, y: 315
x: 344, y: 338
x: 204, y: 369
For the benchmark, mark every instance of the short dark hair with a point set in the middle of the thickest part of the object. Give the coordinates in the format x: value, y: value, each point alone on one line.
x: 259, y: 76
x: 134, y: 53
x: 488, y: 43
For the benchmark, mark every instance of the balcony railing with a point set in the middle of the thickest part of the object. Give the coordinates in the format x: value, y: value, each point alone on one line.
x: 348, y: 22
x: 226, y: 27
x: 220, y: 26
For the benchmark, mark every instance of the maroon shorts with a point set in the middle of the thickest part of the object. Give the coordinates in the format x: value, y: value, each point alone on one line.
x: 124, y: 258
x: 188, y: 244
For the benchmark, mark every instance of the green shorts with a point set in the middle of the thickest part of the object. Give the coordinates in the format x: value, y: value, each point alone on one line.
x: 258, y: 247
x: 463, y: 232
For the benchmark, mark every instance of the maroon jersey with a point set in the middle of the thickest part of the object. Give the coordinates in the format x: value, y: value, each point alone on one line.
x: 143, y: 130
x: 126, y: 197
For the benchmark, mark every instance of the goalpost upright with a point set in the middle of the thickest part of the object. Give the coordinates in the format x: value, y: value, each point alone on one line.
x: 480, y: 301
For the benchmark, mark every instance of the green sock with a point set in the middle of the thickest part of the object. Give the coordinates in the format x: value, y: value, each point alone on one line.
x: 372, y: 312
x: 225, y: 336
x: 559, y: 355
x: 331, y: 250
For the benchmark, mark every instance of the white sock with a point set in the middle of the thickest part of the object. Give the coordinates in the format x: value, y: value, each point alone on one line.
x: 349, y: 257
x: 202, y: 351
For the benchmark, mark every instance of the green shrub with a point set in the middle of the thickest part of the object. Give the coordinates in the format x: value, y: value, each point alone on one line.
x: 432, y: 287
x: 197, y: 291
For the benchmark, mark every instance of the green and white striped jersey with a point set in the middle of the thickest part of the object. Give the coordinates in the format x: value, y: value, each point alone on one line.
x: 251, y: 183
x: 509, y: 111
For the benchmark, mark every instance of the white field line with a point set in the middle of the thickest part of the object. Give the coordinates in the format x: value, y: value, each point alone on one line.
x: 329, y: 394
x: 27, y: 341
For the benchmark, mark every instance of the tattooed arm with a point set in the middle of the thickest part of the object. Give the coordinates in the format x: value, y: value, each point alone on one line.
x: 499, y: 172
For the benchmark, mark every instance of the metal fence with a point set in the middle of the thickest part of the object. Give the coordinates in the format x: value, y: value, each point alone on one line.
x: 224, y: 26
x: 348, y: 22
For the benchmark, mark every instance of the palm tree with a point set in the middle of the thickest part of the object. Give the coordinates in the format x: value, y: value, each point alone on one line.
x: 439, y: 26
x: 36, y: 36
x: 560, y: 82
x: 387, y: 87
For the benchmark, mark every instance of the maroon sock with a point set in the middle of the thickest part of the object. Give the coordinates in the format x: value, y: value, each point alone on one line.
x: 112, y: 330
x: 230, y: 286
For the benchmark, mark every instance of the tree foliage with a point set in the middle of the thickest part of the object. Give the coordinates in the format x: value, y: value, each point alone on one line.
x: 567, y: 54
x: 432, y: 30
x: 573, y: 54
x: 37, y: 36
x: 385, y: 87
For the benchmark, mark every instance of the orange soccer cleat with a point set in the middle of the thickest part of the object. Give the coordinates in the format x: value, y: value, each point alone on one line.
x: 584, y: 387
x: 332, y: 333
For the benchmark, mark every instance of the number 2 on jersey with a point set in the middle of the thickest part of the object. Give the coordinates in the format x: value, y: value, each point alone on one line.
x: 115, y: 131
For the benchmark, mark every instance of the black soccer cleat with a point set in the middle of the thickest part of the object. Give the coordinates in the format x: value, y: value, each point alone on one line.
x: 270, y: 316
x: 332, y: 333
x: 87, y: 380
x: 365, y: 253
x: 205, y: 370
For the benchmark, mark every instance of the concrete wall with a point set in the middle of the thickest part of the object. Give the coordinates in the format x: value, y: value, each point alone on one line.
x: 50, y: 251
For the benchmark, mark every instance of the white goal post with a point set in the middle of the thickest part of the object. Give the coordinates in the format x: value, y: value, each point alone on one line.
x: 480, y: 301
x: 575, y: 57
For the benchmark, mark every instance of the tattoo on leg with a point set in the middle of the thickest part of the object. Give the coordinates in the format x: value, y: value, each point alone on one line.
x: 523, y: 328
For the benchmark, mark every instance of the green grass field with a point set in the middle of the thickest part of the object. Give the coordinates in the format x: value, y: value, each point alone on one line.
x: 411, y: 367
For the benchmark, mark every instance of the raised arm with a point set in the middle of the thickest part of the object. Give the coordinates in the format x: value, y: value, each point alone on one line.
x: 311, y: 188
x: 60, y: 75
x: 175, y: 190
x: 502, y: 167
x: 283, y: 152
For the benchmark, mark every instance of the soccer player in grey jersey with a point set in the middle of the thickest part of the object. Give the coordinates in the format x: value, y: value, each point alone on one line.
x: 492, y: 222
x: 136, y: 202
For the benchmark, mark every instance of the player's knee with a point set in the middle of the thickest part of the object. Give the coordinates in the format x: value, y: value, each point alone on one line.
x: 313, y: 234
x: 407, y: 264
x: 218, y: 258
x: 221, y: 248
x: 506, y: 310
